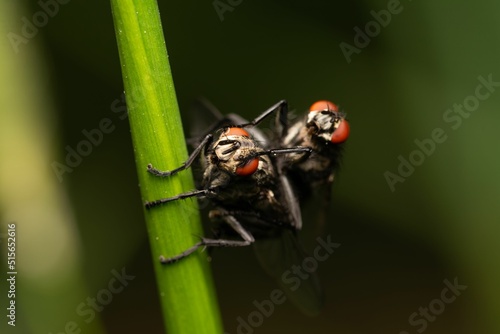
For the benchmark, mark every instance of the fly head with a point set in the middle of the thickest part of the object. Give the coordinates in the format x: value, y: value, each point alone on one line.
x: 326, y: 124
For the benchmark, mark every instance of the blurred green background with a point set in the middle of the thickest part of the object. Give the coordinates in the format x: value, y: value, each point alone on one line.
x: 398, y: 245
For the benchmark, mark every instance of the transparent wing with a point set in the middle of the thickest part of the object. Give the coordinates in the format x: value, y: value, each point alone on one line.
x: 282, y: 258
x: 318, y: 210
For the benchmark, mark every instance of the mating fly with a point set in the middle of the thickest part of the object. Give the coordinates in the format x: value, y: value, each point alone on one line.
x: 254, y: 201
x: 324, y: 129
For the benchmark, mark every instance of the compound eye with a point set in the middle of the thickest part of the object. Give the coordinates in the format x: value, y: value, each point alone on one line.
x: 237, y: 132
x: 249, y: 168
x: 341, y: 134
x: 323, y: 105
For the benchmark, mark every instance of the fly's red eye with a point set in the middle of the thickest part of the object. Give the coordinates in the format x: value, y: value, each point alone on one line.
x: 323, y: 105
x: 237, y: 132
x: 341, y: 133
x: 249, y: 168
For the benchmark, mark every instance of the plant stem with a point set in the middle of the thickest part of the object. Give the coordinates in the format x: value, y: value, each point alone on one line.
x: 186, y: 289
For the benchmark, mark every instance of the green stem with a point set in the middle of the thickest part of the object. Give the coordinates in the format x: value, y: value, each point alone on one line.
x: 186, y: 288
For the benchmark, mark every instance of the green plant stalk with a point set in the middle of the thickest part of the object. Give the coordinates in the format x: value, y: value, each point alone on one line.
x: 186, y: 288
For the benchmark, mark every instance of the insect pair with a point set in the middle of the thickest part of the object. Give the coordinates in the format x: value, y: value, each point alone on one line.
x: 254, y: 183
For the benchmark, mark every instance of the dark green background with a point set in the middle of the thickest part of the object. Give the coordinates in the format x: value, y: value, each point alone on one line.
x: 396, y: 247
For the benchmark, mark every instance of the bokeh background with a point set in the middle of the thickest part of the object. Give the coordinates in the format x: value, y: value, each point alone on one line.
x: 398, y: 245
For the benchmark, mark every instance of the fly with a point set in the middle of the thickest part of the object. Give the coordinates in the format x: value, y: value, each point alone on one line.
x: 324, y: 129
x: 252, y: 200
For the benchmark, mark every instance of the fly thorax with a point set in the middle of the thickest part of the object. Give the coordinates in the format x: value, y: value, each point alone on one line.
x: 316, y: 163
x: 215, y: 177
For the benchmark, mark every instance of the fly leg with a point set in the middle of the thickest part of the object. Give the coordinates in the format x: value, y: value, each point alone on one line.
x: 194, y: 193
x: 234, y: 120
x: 204, y: 243
x: 247, y: 237
x: 281, y: 119
x: 229, y: 219
x: 291, y: 202
x: 208, y: 138
x: 273, y: 152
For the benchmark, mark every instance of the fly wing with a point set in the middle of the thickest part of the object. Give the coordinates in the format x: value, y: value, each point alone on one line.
x: 280, y: 257
x: 290, y: 202
x: 320, y: 203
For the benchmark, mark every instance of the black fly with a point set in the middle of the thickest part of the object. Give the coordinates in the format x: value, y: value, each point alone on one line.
x: 252, y: 198
x: 324, y: 129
